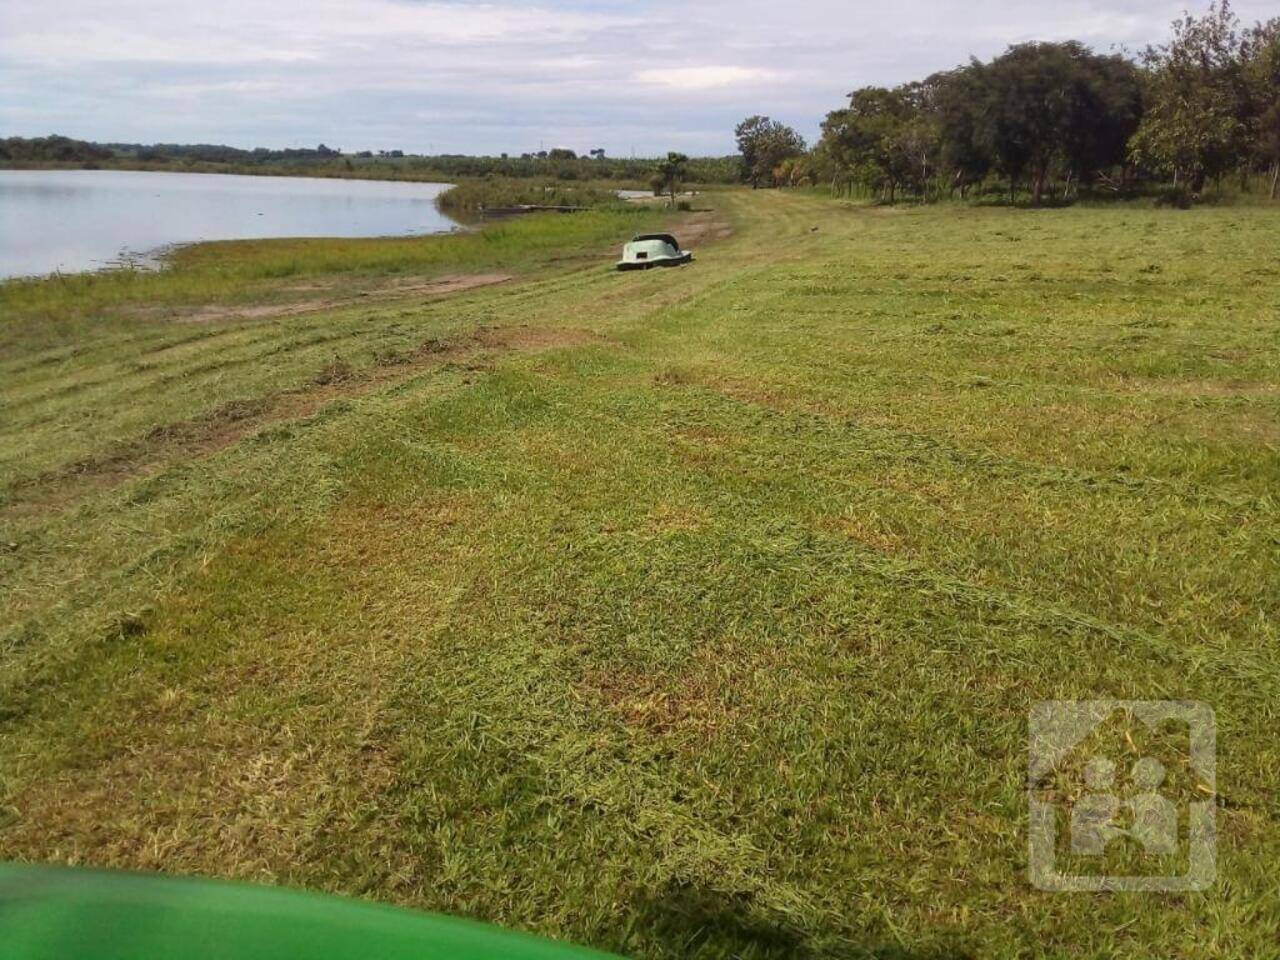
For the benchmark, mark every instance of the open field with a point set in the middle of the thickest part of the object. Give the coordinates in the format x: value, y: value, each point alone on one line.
x: 689, y: 613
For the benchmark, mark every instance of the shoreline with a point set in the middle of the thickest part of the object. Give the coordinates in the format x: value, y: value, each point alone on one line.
x: 386, y: 172
x: 147, y: 257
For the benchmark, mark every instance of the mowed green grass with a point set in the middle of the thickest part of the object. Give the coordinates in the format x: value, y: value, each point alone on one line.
x: 701, y: 616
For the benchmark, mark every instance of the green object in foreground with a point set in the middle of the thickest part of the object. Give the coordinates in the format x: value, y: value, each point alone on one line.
x: 57, y: 912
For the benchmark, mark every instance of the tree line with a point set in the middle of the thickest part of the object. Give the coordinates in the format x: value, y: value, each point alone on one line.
x: 558, y: 164
x: 1050, y: 119
x: 53, y: 149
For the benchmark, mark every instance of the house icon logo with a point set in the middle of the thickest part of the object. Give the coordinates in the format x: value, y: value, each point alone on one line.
x: 1101, y: 796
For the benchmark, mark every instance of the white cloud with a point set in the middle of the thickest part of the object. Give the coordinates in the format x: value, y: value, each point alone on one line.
x: 702, y: 78
x: 244, y: 31
x: 499, y: 75
x: 194, y: 89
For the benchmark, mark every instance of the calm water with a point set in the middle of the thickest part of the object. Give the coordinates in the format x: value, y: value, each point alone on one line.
x: 71, y: 220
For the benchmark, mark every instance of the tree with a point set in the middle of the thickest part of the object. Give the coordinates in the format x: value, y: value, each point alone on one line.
x: 864, y: 138
x: 1261, y: 55
x: 1109, y: 113
x: 916, y: 144
x: 562, y: 153
x: 764, y: 144
x: 58, y: 148
x: 824, y: 166
x: 957, y: 107
x: 1039, y: 110
x: 794, y: 172
x: 1056, y: 107
x: 1196, y: 124
x: 670, y: 172
x: 1269, y: 145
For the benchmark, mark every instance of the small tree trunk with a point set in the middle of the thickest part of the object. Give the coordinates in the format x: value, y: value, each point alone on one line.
x: 1275, y: 179
x: 1037, y: 188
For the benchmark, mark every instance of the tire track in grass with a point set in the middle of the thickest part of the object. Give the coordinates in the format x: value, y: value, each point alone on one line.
x: 206, y: 434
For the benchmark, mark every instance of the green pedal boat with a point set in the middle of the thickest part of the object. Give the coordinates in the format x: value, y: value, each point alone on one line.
x: 653, y: 250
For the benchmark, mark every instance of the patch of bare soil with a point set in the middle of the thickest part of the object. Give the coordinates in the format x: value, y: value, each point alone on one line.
x: 442, y: 286
x: 231, y: 422
x: 702, y: 228
x: 390, y: 290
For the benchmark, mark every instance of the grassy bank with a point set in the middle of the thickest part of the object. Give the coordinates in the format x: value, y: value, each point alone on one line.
x: 692, y: 613
x: 471, y: 197
x: 251, y: 270
x: 225, y: 324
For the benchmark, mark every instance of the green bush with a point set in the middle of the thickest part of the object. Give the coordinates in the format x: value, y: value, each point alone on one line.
x: 473, y: 196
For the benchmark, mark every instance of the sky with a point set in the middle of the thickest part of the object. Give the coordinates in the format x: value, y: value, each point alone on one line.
x: 427, y: 76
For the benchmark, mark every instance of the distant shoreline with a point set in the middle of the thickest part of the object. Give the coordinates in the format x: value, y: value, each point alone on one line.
x: 314, y: 171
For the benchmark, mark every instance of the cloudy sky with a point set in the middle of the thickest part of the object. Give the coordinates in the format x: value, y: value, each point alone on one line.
x: 435, y: 76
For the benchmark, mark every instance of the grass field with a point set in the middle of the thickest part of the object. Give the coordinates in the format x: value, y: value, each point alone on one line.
x: 689, y: 613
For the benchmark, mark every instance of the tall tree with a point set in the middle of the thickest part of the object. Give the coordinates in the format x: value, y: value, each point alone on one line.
x: 763, y: 145
x: 957, y: 106
x: 916, y: 143
x: 1056, y: 107
x: 1261, y: 55
x: 1197, y: 117
x: 864, y: 137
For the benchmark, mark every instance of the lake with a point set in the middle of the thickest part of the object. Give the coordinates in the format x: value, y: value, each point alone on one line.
x: 72, y: 220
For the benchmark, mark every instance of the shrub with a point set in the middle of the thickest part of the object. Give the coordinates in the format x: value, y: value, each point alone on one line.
x: 472, y: 196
